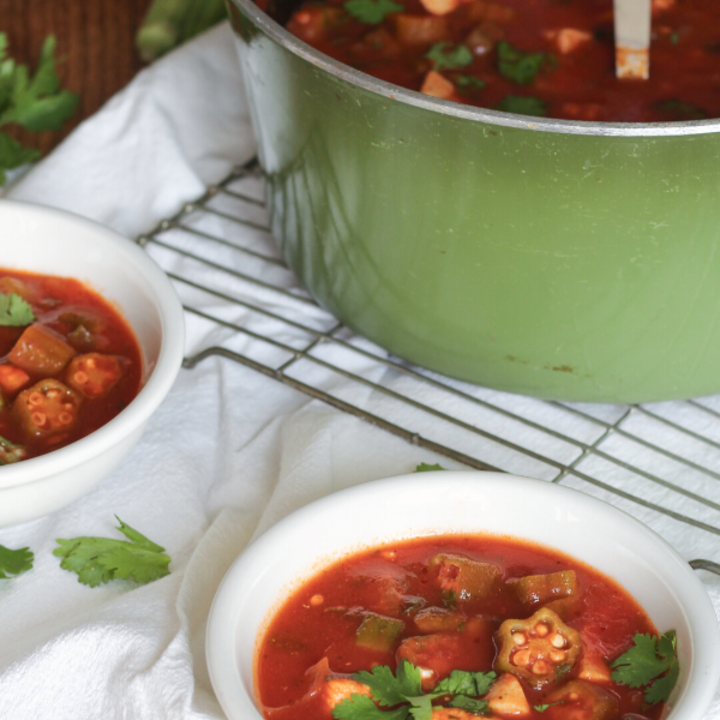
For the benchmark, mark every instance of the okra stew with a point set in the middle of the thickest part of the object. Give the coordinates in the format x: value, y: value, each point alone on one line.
x: 456, y: 628
x: 550, y: 58
x: 69, y: 363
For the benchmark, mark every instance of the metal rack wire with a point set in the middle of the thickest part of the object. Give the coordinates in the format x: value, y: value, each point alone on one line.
x: 659, y: 461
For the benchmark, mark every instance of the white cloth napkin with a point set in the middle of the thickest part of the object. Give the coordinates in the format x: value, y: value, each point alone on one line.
x: 227, y: 454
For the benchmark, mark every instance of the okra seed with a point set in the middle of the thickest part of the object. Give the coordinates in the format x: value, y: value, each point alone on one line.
x: 541, y: 629
x: 90, y: 363
x: 540, y: 667
x: 80, y: 377
x: 522, y: 657
x: 65, y: 418
x: 519, y: 638
x: 317, y: 600
x: 52, y: 394
x: 557, y: 640
x: 38, y: 418
x: 35, y: 398
x: 557, y: 656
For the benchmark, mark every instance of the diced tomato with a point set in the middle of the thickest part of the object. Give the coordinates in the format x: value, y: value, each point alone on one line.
x: 41, y: 351
x: 93, y: 374
x: 12, y: 379
x: 48, y: 410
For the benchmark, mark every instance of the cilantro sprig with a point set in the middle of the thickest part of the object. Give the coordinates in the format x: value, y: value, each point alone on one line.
x: 98, y: 560
x: 399, y: 695
x: 445, y: 57
x: 371, y: 12
x: 14, y: 310
x: 519, y: 66
x: 15, y: 562
x: 35, y: 102
x: 651, y: 663
x: 426, y: 467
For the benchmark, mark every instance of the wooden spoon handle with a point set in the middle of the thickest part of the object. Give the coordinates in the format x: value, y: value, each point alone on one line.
x: 632, y: 38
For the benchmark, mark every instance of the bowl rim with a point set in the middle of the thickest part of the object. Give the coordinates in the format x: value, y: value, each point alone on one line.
x: 222, y: 653
x: 161, y: 375
x: 466, y: 112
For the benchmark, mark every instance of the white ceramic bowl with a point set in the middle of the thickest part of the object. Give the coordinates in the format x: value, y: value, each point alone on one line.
x: 51, y: 242
x: 460, y: 502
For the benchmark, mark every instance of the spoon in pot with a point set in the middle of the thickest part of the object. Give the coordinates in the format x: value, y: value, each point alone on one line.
x: 632, y: 38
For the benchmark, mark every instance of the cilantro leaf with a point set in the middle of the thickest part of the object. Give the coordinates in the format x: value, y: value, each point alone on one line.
x: 15, y: 562
x: 522, y: 105
x: 462, y: 682
x: 13, y: 154
x: 651, y: 662
x: 477, y: 707
x: 35, y: 102
x: 389, y: 689
x: 420, y: 706
x: 98, y: 560
x: 371, y: 12
x: 519, y: 66
x: 424, y: 467
x: 467, y: 83
x: 361, y: 707
x: 14, y: 311
x: 444, y: 58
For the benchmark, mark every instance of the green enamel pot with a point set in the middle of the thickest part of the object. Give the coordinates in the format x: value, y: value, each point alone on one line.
x: 568, y: 260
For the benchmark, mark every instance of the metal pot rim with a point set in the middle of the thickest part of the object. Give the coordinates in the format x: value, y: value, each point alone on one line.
x: 467, y: 112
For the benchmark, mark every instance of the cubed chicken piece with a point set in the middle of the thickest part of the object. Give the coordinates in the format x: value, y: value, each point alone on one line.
x: 506, y: 697
x: 335, y: 690
x: 12, y: 379
x: 420, y: 30
x: 580, y: 699
x: 93, y: 375
x: 568, y: 40
x: 47, y: 410
x: 437, y: 86
x: 440, y: 7
x: 594, y: 669
x: 41, y: 351
x: 313, y: 23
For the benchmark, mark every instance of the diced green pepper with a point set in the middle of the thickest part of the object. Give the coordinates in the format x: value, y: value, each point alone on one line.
x: 435, y: 619
x: 378, y: 632
x: 533, y: 589
x: 581, y: 699
x: 10, y: 452
x: 539, y: 650
x: 466, y: 579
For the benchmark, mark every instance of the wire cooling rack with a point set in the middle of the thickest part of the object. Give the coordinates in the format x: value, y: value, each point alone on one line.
x: 659, y: 461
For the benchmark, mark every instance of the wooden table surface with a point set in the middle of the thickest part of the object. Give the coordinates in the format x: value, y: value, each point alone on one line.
x: 95, y: 38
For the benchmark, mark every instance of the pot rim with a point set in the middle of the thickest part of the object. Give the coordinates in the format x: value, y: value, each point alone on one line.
x: 467, y: 112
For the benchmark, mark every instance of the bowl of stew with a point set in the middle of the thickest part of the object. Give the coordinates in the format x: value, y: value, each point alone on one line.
x: 474, y: 191
x: 91, y: 340
x: 488, y: 593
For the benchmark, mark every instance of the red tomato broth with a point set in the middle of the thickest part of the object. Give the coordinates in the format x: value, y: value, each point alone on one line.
x: 302, y: 634
x: 579, y: 84
x: 53, y: 301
